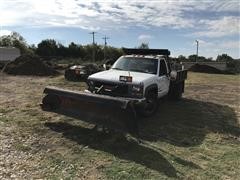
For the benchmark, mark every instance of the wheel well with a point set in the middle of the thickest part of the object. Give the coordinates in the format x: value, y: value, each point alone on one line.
x: 151, y: 89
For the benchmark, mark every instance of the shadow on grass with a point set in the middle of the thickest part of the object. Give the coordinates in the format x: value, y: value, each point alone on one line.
x: 186, y: 123
x: 116, y: 144
x: 182, y: 123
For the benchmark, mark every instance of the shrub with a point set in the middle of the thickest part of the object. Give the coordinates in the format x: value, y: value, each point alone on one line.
x: 233, y: 66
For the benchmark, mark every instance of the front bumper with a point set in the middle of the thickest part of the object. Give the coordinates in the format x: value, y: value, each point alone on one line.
x: 87, y: 96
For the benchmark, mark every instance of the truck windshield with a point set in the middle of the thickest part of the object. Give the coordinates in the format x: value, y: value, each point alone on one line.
x: 137, y: 64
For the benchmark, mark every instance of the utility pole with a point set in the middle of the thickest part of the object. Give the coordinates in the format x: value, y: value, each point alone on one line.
x: 197, y: 50
x: 93, y: 36
x: 105, y: 44
x: 93, y: 45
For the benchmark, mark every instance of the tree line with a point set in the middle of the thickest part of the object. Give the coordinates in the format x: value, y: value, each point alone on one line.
x: 50, y: 48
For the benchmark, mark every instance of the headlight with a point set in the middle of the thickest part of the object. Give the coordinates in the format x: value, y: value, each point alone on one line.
x: 137, y: 90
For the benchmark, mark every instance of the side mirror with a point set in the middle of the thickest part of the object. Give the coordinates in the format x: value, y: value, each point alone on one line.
x: 173, y: 75
x: 105, y: 66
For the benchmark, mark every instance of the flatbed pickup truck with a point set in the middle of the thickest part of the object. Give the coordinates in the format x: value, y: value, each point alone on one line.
x: 142, y: 77
x: 137, y: 80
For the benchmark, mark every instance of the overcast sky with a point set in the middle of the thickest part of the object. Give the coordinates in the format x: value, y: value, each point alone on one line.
x: 163, y: 24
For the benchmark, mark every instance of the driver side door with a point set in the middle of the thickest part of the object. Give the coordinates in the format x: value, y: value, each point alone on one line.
x: 163, y: 79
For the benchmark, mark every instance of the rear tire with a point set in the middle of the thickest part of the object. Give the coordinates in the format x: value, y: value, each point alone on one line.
x: 176, y: 91
x: 151, y: 105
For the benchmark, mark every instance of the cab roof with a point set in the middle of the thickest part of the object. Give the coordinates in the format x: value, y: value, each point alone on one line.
x: 152, y: 52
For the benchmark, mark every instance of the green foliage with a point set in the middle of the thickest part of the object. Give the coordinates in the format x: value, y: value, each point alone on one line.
x: 182, y: 58
x: 113, y: 53
x: 32, y: 48
x: 17, y: 41
x: 75, y: 50
x: 233, y: 66
x: 62, y: 50
x: 201, y: 58
x: 192, y: 58
x: 210, y: 59
x: 47, y: 47
x: 50, y: 48
x: 224, y: 58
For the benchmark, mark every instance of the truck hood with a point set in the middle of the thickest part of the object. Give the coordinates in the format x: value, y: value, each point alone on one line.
x: 113, y: 76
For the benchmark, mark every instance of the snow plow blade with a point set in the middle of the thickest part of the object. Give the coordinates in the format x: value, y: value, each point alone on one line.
x: 55, y: 97
x: 114, y: 112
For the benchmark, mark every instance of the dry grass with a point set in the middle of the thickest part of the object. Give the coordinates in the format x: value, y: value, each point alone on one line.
x: 196, y: 138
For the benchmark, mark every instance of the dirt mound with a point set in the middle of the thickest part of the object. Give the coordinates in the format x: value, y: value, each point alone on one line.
x: 204, y: 69
x: 30, y: 65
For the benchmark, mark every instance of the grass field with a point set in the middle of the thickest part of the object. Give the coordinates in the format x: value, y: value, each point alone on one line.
x: 196, y: 138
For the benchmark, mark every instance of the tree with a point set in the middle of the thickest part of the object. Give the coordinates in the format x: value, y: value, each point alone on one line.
x: 210, y: 59
x: 224, y: 58
x: 47, y: 47
x: 99, y: 52
x: 233, y: 66
x: 192, y: 58
x: 143, y: 46
x: 17, y: 41
x: 113, y: 53
x: 73, y: 50
x: 201, y: 58
x: 5, y: 41
x: 62, y: 50
x: 76, y: 50
x: 182, y: 58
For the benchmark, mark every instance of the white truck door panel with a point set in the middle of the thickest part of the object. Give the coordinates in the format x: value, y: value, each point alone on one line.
x: 163, y: 85
x: 163, y: 79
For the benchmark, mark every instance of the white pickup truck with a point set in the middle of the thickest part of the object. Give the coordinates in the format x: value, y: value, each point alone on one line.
x: 136, y: 80
x: 142, y: 77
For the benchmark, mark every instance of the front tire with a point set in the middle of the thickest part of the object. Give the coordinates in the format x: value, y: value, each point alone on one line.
x: 151, y: 105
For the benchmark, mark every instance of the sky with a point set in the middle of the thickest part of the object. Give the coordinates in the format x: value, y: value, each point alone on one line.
x: 167, y: 24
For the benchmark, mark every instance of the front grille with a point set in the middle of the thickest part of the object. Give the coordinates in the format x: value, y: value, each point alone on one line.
x: 112, y: 89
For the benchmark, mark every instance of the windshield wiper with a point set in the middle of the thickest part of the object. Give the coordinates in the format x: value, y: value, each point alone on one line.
x: 117, y: 69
